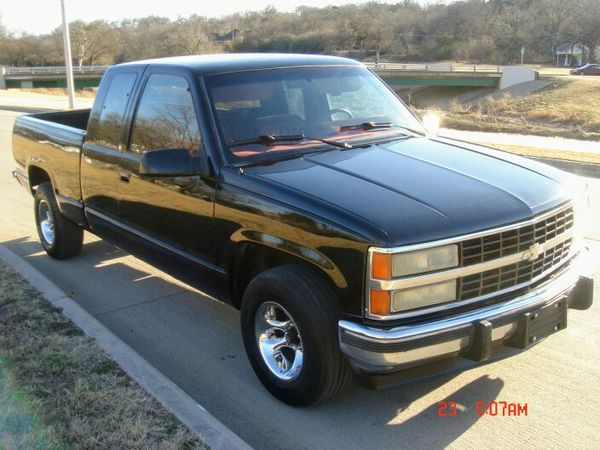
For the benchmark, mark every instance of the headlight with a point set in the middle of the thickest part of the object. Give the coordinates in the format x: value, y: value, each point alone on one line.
x: 386, y: 266
x: 418, y: 297
x: 424, y: 260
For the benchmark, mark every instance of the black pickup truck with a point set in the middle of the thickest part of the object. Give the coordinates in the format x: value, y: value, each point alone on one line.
x: 310, y: 197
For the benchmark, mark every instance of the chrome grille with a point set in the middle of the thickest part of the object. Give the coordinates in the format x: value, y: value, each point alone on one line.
x: 505, y: 277
x: 509, y: 242
x: 494, y: 265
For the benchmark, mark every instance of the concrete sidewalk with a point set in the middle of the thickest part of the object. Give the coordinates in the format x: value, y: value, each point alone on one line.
x: 552, y: 143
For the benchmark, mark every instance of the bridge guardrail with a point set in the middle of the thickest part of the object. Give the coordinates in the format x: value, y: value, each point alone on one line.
x: 471, y: 68
x: 53, y: 70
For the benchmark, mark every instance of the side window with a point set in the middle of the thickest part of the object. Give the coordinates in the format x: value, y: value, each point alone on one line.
x: 110, y: 123
x: 166, y: 117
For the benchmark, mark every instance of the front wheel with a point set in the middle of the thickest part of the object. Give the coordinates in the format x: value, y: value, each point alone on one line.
x: 289, y: 326
x: 60, y: 237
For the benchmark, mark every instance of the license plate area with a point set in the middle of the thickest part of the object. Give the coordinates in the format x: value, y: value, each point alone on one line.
x: 536, y: 325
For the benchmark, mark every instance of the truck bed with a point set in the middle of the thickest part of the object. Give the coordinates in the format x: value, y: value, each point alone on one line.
x: 77, y: 118
x: 44, y: 142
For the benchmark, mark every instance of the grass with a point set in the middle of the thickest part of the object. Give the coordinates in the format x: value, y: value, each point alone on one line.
x: 566, y: 108
x: 19, y: 428
x: 71, y: 394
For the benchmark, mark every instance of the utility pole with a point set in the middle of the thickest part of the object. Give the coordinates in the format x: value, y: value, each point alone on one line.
x: 68, y: 60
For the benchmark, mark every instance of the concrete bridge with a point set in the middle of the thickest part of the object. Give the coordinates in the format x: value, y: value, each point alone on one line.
x: 472, y: 75
x: 49, y: 77
x: 395, y: 74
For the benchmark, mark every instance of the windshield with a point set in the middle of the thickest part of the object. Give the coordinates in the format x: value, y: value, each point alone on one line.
x: 334, y: 103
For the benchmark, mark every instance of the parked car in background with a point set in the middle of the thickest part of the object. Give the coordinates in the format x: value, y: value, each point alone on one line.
x: 587, y: 69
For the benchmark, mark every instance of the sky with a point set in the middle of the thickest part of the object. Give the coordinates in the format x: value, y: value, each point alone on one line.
x: 42, y: 16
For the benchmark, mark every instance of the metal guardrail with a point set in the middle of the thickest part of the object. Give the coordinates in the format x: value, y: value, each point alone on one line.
x: 469, y: 68
x: 53, y: 70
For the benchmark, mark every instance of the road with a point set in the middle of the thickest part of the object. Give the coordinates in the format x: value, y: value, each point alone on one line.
x: 15, y: 98
x: 195, y: 341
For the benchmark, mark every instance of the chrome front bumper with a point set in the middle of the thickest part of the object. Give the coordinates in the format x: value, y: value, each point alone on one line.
x: 470, y: 334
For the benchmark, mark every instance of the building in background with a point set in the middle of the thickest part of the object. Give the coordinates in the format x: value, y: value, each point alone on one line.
x: 572, y: 55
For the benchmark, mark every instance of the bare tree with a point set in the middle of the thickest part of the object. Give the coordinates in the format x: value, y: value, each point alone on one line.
x: 588, y: 24
x: 556, y: 18
x: 94, y: 42
x: 510, y: 32
x: 484, y: 30
x: 191, y: 37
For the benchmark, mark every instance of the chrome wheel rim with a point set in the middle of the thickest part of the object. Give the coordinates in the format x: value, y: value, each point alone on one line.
x: 46, y: 222
x: 279, y: 341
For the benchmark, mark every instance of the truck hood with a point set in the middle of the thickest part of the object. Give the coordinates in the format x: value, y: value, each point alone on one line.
x: 420, y: 189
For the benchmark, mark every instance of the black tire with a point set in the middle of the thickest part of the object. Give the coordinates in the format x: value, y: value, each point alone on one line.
x: 67, y: 236
x: 312, y: 306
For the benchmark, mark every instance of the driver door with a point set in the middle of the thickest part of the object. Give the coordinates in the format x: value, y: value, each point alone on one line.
x: 175, y: 213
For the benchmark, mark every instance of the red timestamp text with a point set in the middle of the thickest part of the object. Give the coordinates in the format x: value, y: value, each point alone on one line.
x: 449, y: 408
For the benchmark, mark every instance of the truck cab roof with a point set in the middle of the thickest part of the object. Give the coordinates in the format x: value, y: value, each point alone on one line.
x: 232, y: 62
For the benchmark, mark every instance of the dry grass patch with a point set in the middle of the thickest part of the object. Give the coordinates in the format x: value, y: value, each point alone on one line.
x: 544, y: 115
x: 494, y: 106
x: 71, y: 385
x: 566, y: 108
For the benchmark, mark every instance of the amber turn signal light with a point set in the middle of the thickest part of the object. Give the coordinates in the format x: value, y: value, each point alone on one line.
x: 381, y: 266
x: 379, y: 302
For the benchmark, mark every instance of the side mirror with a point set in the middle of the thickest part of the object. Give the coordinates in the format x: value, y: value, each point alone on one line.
x: 169, y: 162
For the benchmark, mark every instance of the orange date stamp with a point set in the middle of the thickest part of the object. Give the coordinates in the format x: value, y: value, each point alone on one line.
x: 449, y: 408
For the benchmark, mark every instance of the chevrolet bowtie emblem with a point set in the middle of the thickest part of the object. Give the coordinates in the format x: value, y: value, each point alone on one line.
x: 533, y: 252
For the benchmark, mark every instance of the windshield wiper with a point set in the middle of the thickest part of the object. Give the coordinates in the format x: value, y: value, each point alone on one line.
x: 367, y: 126
x: 378, y: 125
x: 270, y: 139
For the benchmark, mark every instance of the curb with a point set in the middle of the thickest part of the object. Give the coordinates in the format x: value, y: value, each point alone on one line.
x: 193, y: 415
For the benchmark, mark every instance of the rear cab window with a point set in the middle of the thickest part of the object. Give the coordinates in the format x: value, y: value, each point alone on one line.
x: 109, y: 128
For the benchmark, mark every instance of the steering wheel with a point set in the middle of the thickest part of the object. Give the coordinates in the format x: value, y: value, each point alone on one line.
x: 342, y: 111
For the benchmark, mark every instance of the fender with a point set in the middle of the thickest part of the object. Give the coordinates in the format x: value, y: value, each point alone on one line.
x: 298, y: 250
x: 69, y: 207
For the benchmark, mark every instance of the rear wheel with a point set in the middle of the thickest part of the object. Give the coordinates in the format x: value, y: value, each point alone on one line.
x: 60, y: 237
x: 289, y: 326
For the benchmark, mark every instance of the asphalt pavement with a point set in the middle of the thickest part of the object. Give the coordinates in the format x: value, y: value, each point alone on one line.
x: 195, y: 341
